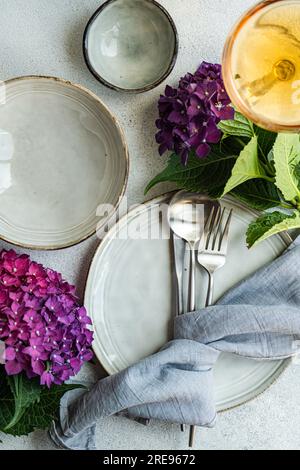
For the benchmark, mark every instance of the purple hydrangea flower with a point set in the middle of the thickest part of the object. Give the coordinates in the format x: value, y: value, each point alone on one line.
x: 188, y: 115
x: 45, y: 331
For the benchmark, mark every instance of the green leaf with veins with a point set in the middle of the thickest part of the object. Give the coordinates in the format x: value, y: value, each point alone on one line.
x: 297, y: 173
x: 6, y: 400
x: 240, y: 126
x: 258, y: 194
x: 286, y: 160
x: 26, y: 406
x: 247, y: 167
x: 208, y: 175
x: 266, y: 141
x: 39, y: 415
x: 25, y: 392
x: 271, y: 224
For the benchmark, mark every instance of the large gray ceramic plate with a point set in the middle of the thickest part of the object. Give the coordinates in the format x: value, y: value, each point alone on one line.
x: 129, y: 296
x: 62, y: 154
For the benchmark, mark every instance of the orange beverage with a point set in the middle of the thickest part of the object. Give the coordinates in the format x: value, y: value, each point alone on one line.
x: 261, y: 65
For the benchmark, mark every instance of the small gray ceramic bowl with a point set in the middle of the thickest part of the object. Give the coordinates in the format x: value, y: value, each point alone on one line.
x: 131, y: 45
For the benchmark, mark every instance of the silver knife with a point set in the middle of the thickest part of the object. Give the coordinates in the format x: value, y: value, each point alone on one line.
x: 180, y: 255
x: 178, y: 258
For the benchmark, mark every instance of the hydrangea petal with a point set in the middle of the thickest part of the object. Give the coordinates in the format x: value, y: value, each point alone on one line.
x: 201, y: 97
x: 40, y: 321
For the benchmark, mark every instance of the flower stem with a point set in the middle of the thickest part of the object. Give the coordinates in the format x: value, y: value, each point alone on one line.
x: 269, y: 178
x: 285, y: 205
x: 296, y: 204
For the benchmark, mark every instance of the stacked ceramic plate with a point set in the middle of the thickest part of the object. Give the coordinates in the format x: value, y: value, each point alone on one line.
x: 62, y: 155
x: 129, y: 296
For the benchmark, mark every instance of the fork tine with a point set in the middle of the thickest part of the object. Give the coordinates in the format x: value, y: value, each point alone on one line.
x: 209, y: 220
x: 218, y: 229
x: 205, y: 231
x: 211, y: 227
x: 223, y: 244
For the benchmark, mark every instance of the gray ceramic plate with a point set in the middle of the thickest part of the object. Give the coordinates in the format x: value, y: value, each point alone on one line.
x: 62, y: 155
x: 129, y: 291
x: 131, y: 45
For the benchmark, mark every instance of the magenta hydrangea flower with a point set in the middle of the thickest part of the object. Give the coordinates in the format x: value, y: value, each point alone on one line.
x: 189, y: 114
x: 45, y: 331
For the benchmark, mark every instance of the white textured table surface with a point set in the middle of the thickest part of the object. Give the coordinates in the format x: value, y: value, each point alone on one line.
x: 44, y: 37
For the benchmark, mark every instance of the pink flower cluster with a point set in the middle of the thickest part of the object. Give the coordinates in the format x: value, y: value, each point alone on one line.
x: 44, y: 329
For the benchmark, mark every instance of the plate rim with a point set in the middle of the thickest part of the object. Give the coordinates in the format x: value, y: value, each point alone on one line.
x: 286, y: 239
x: 121, y: 133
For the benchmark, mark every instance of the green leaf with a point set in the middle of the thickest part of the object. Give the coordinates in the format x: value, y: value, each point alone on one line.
x: 271, y: 224
x: 239, y: 126
x: 297, y: 173
x: 207, y: 175
x: 230, y: 145
x: 39, y: 415
x: 247, y: 167
x: 20, y: 412
x: 266, y: 141
x: 25, y: 392
x: 286, y: 160
x: 6, y: 400
x: 242, y: 127
x: 258, y: 194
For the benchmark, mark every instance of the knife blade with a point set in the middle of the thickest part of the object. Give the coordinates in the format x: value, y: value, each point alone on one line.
x: 180, y: 257
x: 179, y: 249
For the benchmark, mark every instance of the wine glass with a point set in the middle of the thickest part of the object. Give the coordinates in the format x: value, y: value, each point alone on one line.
x: 261, y: 65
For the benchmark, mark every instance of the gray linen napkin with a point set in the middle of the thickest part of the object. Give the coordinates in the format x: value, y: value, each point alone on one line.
x: 258, y: 319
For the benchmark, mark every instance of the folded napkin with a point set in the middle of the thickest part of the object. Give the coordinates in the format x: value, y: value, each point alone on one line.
x: 258, y: 319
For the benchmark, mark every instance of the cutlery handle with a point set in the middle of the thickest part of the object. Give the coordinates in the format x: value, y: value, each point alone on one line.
x: 179, y: 253
x: 192, y: 296
x: 180, y: 263
x: 209, y: 298
x: 192, y: 303
x: 210, y: 290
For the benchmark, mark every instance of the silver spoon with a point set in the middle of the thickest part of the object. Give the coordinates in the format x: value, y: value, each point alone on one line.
x: 187, y: 215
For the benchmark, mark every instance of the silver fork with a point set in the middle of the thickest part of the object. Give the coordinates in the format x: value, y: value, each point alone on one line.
x: 212, y: 253
x: 213, y: 246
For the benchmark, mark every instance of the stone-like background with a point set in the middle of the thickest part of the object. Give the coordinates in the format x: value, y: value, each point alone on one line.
x: 45, y: 37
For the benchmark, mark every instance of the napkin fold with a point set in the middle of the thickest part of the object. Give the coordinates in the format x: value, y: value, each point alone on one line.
x: 257, y: 319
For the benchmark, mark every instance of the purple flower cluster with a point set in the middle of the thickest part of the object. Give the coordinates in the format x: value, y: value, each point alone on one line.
x: 44, y: 330
x: 189, y: 114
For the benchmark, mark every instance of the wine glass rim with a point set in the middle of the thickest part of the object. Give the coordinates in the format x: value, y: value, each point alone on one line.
x: 230, y: 86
